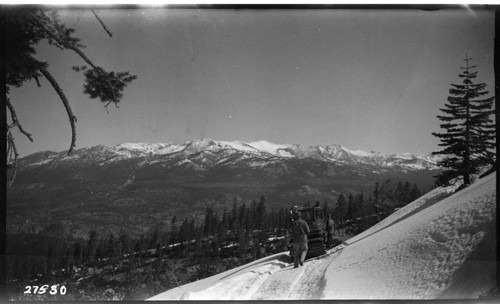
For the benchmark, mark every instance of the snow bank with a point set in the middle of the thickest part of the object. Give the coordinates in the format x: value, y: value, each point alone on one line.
x: 427, y: 199
x: 240, y: 287
x: 204, y: 289
x: 415, y: 255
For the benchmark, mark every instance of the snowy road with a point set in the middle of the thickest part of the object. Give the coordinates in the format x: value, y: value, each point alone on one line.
x: 295, y: 284
x: 273, y: 278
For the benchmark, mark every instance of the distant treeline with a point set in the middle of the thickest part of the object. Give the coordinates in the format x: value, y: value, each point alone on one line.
x: 360, y: 208
x: 241, y: 231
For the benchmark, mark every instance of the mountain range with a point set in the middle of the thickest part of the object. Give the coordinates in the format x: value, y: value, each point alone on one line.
x: 207, y: 153
x: 134, y: 185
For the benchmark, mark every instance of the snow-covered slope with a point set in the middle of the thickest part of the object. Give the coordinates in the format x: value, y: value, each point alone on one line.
x: 442, y: 245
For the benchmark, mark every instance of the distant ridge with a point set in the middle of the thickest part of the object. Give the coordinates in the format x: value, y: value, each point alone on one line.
x: 332, y: 153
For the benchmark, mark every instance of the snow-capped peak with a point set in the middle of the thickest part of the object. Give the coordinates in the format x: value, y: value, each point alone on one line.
x: 268, y: 147
x: 149, y: 148
x: 406, y: 155
x: 239, y: 145
x: 359, y: 153
x: 263, y: 148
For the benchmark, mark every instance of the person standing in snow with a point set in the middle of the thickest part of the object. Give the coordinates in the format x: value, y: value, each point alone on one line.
x: 300, y: 229
x: 330, y: 229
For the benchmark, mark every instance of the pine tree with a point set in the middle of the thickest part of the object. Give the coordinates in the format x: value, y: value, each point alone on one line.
x: 260, y: 220
x: 24, y: 29
x: 282, y: 218
x: 341, y: 209
x: 92, y: 246
x: 414, y: 192
x: 234, y: 216
x: 351, y: 208
x: 242, y: 216
x: 155, y: 238
x: 225, y: 220
x: 359, y: 203
x: 77, y: 253
x: 470, y: 133
x: 406, y: 190
x: 111, y: 246
x: 376, y: 194
x: 125, y: 242
x: 252, y: 223
x: 399, y: 194
x: 326, y: 208
x: 209, y: 223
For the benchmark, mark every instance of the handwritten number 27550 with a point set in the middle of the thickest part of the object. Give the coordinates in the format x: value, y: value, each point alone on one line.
x: 52, y: 289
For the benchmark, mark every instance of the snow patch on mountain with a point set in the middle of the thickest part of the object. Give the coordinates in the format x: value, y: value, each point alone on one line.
x: 407, y: 156
x: 149, y: 148
x: 40, y: 163
x: 274, y: 149
x: 70, y: 157
x: 184, y: 161
x: 239, y: 146
x: 415, y: 166
x: 359, y: 153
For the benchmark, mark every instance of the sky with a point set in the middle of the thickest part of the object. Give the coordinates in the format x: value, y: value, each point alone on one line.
x: 366, y: 79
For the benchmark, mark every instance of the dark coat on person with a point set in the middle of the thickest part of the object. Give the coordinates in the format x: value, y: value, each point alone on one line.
x: 300, y: 229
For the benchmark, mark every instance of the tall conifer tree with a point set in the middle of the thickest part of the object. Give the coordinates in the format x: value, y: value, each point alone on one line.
x: 341, y: 209
x: 469, y: 131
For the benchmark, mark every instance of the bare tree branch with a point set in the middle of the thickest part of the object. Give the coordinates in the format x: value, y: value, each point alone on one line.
x: 15, y: 121
x: 11, y: 155
x: 78, y: 20
x: 102, y: 23
x: 106, y: 106
x: 37, y: 81
x: 54, y: 34
x: 84, y: 57
x: 171, y: 272
x: 11, y: 148
x: 71, y: 116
